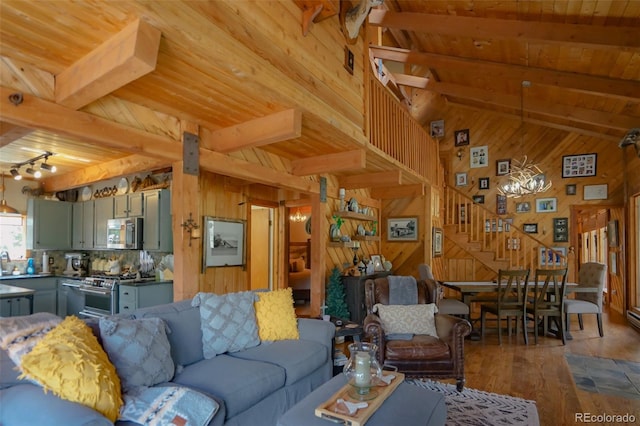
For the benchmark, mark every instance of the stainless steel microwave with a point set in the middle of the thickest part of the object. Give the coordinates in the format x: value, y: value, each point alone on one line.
x: 124, y: 233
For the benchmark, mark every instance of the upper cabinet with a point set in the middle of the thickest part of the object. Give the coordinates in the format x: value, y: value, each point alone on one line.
x: 103, y: 211
x: 129, y: 205
x: 82, y: 233
x: 48, y: 224
x: 157, y: 221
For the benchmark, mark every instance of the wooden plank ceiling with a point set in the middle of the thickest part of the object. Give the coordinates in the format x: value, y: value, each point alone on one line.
x: 219, y: 66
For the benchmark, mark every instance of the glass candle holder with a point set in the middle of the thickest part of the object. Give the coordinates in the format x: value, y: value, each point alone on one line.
x: 362, y: 370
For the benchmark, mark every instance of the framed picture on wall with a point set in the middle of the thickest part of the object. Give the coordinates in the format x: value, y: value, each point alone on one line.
x: 479, y: 157
x: 437, y: 129
x: 551, y: 257
x: 524, y: 207
x: 570, y: 189
x: 530, y: 228
x: 461, y: 179
x: 501, y: 204
x: 560, y: 230
x: 223, y: 242
x: 437, y: 242
x: 546, y: 205
x: 483, y: 183
x: 503, y: 167
x: 462, y: 137
x: 595, y: 192
x: 579, y: 165
x: 402, y: 229
x: 478, y: 199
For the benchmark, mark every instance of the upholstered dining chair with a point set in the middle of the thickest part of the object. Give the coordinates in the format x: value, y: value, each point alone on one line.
x: 445, y: 305
x: 437, y: 355
x: 588, y: 294
x: 510, y: 301
x: 547, y: 300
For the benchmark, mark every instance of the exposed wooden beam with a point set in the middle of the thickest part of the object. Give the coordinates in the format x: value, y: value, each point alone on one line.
x: 38, y: 113
x: 125, y: 57
x: 261, y: 131
x: 10, y: 133
x: 573, y: 113
x: 399, y: 191
x: 371, y: 180
x: 330, y: 163
x: 580, y: 35
x: 411, y: 80
x: 627, y: 89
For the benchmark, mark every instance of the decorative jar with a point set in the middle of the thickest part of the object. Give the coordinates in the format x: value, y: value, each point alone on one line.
x: 362, y: 370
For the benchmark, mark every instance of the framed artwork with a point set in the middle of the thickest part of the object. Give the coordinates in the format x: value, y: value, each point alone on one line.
x: 530, y: 228
x: 478, y: 199
x: 560, y: 230
x: 437, y: 242
x: 524, y: 207
x: 612, y: 233
x: 503, y: 167
x: 551, y: 257
x: 570, y: 189
x: 461, y: 179
x: 462, y: 137
x: 546, y: 205
x: 507, y: 224
x: 579, y: 165
x: 223, y: 242
x: 595, y: 192
x: 479, y: 157
x: 437, y: 129
x: 376, y: 260
x: 501, y: 204
x: 402, y: 229
x: 483, y: 183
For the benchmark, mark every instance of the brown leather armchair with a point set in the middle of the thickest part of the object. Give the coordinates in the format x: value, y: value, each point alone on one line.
x: 423, y: 355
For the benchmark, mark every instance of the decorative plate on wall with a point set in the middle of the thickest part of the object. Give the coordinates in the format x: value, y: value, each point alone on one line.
x: 86, y: 193
x: 123, y: 186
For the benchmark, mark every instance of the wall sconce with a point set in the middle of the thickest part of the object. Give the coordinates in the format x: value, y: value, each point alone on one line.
x: 191, y: 227
x: 460, y: 154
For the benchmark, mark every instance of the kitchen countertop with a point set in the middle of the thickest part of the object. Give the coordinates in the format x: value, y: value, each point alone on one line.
x: 9, y: 291
x: 22, y: 276
x: 145, y: 282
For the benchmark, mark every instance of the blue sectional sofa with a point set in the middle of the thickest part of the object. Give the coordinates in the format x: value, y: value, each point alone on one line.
x: 254, y: 386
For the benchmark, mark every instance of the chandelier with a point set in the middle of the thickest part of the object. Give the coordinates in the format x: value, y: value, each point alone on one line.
x: 524, y: 178
x: 298, y: 217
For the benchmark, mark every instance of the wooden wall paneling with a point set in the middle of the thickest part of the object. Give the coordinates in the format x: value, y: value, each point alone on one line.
x: 616, y: 285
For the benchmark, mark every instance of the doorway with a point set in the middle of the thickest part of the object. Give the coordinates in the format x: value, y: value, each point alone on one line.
x: 262, y: 247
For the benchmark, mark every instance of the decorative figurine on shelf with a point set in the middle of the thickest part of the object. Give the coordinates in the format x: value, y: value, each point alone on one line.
x: 334, y: 229
x: 342, y: 193
x: 336, y: 304
x: 374, y: 228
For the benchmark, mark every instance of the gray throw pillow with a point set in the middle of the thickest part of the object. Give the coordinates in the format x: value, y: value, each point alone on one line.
x: 228, y: 322
x: 139, y: 349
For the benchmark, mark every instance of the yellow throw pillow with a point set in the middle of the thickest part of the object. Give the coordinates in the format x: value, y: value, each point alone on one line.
x: 276, y: 316
x: 70, y: 362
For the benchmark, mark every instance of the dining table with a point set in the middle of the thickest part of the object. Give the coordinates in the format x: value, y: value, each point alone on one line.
x: 475, y: 292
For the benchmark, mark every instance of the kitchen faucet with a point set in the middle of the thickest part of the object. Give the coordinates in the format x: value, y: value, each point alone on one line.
x: 4, y: 255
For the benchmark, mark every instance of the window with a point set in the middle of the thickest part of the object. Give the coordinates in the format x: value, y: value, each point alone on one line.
x: 13, y: 236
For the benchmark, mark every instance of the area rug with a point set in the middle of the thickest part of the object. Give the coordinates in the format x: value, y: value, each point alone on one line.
x: 605, y: 375
x: 472, y: 407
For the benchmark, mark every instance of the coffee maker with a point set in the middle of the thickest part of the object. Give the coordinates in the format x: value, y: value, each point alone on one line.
x: 77, y: 264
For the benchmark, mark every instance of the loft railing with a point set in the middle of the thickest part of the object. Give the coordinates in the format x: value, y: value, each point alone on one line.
x: 395, y: 132
x: 495, y: 233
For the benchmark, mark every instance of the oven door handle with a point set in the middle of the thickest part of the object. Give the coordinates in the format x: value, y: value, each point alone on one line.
x: 90, y: 314
x: 98, y: 292
x: 71, y: 285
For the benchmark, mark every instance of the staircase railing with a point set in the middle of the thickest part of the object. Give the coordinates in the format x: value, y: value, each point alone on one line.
x: 497, y: 234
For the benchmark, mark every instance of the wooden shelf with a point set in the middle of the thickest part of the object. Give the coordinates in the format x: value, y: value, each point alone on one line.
x: 353, y: 215
x: 366, y: 238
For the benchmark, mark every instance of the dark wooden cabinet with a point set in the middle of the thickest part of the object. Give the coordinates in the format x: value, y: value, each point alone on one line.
x: 354, y: 290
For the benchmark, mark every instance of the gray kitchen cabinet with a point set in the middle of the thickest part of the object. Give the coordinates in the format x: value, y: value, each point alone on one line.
x: 157, y: 231
x: 45, y: 298
x: 48, y: 224
x: 132, y: 297
x: 14, y: 307
x: 83, y: 229
x: 128, y: 205
x: 103, y: 211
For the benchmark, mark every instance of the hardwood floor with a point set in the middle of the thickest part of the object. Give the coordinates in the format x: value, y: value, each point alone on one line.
x: 541, y: 372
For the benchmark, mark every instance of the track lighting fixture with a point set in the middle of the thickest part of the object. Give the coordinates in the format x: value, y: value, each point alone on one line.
x: 16, y: 174
x: 32, y: 169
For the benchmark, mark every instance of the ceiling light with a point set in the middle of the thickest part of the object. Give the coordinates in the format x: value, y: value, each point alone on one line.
x: 16, y: 174
x: 36, y: 173
x: 4, y: 207
x: 48, y: 167
x: 298, y: 217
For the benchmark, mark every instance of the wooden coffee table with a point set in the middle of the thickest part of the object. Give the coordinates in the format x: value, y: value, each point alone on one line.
x: 408, y: 405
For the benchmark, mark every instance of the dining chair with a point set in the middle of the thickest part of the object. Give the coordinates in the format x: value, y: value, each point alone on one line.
x: 509, y: 301
x: 547, y: 301
x: 588, y: 294
x: 445, y: 305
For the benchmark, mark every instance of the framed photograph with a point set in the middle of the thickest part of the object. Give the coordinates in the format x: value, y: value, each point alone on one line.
x: 478, y: 199
x: 546, y: 205
x: 595, y: 192
x: 223, y: 242
x: 530, y: 228
x: 437, y: 129
x: 524, y: 207
x: 551, y: 257
x: 560, y: 230
x: 461, y: 179
x: 483, y: 183
x: 402, y: 229
x: 479, y: 157
x: 376, y: 259
x: 462, y: 137
x: 612, y: 233
x: 503, y: 167
x: 570, y: 189
x: 579, y: 165
x: 437, y: 242
x: 501, y: 204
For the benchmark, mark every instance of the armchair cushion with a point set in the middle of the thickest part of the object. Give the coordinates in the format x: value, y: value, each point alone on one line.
x: 416, y: 319
x: 421, y: 347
